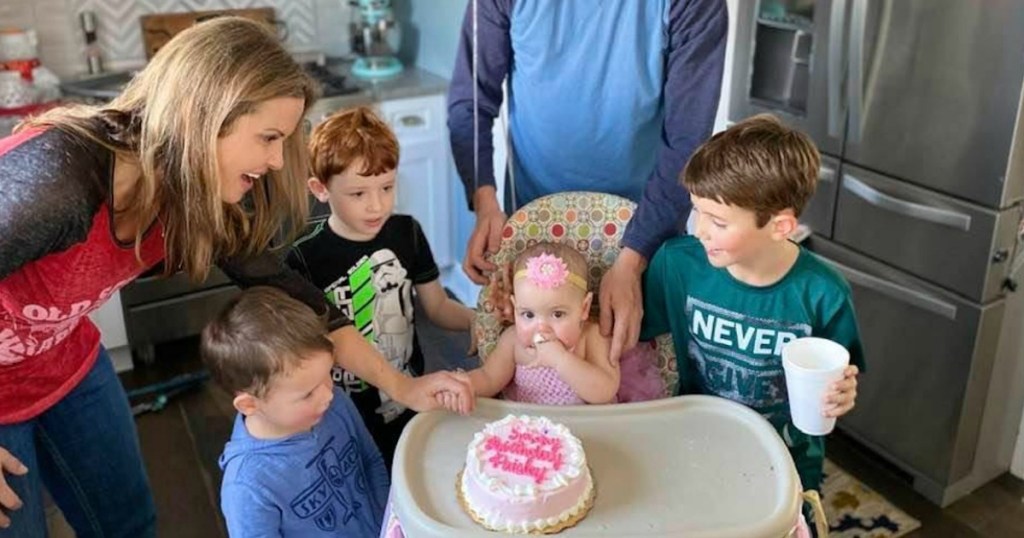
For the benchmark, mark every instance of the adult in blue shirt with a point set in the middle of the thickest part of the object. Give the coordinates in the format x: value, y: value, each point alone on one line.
x: 608, y: 96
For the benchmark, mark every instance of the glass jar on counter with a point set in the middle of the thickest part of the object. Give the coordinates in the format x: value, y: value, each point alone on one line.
x: 15, y: 91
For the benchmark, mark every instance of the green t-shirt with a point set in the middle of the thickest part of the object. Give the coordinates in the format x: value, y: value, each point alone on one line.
x: 728, y: 335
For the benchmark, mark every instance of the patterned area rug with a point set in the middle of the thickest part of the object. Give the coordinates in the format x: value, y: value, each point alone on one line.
x: 856, y: 511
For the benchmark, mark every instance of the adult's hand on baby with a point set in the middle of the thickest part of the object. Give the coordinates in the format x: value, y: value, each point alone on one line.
x: 622, y: 302
x: 8, y: 499
x: 842, y: 396
x: 486, y: 238
x: 501, y: 294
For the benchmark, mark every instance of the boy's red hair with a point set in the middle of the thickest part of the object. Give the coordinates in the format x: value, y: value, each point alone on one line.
x: 348, y: 136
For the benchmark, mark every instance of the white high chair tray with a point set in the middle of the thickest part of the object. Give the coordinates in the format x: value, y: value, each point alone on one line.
x: 695, y: 466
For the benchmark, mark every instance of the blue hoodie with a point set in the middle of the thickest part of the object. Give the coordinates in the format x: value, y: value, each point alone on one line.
x: 329, y: 481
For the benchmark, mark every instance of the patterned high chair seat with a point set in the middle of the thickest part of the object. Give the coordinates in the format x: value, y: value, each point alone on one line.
x: 593, y: 224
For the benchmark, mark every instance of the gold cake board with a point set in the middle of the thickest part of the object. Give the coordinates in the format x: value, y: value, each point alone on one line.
x: 554, y: 529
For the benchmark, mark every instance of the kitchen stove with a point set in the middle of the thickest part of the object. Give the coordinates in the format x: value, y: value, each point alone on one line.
x: 331, y: 84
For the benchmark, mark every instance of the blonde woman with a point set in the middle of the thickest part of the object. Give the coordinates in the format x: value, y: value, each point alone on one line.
x: 92, y: 197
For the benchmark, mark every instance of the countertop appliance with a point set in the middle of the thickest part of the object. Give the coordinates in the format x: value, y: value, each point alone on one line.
x: 375, y: 38
x: 916, y: 108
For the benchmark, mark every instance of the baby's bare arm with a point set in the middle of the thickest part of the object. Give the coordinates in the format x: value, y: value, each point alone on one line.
x: 498, y: 368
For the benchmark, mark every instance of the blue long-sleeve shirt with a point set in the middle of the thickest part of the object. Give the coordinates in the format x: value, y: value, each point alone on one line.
x: 609, y: 96
x: 329, y: 481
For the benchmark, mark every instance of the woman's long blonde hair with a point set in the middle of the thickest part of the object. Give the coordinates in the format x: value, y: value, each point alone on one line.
x: 169, y: 118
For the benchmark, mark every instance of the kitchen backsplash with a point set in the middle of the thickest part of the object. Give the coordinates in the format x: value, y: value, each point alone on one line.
x: 312, y: 25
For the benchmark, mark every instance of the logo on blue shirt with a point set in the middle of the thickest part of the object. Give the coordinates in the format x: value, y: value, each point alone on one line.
x: 327, y: 501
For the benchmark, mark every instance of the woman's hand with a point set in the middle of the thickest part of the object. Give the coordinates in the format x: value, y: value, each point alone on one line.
x: 842, y: 396
x: 8, y: 499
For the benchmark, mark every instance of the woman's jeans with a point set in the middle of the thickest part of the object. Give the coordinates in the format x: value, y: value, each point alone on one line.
x: 85, y: 451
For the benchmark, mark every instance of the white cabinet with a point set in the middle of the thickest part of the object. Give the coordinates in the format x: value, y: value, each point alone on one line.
x: 425, y: 177
x: 109, y: 318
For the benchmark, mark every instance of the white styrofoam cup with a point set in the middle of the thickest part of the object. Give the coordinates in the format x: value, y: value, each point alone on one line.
x: 812, y: 364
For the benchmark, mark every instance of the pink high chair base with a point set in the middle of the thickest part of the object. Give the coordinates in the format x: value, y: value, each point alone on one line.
x: 593, y: 224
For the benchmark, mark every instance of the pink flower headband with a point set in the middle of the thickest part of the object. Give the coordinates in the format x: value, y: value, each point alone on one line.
x: 547, y: 271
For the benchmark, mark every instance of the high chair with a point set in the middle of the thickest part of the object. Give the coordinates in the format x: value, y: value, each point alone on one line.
x: 592, y: 223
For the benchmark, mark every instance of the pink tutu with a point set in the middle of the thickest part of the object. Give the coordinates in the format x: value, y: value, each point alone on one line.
x: 392, y: 528
x: 640, y: 379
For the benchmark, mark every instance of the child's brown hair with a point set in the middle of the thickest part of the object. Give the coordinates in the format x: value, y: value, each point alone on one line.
x: 350, y: 135
x: 575, y: 261
x: 757, y: 164
x: 261, y: 333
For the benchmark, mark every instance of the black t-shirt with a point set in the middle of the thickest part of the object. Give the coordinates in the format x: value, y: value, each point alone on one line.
x: 372, y: 282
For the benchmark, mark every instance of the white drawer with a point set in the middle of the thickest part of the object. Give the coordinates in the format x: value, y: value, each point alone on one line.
x: 415, y: 118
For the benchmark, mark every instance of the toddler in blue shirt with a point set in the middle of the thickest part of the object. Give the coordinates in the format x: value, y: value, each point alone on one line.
x: 300, y: 462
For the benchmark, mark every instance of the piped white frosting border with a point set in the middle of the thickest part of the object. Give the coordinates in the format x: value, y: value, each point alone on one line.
x: 494, y: 520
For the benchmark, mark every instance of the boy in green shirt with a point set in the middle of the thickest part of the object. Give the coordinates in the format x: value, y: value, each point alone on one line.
x: 738, y: 289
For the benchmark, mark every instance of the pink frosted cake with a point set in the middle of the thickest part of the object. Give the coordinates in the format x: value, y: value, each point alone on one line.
x: 526, y: 475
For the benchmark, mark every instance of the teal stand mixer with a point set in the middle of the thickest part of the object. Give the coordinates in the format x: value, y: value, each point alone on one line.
x: 375, y: 39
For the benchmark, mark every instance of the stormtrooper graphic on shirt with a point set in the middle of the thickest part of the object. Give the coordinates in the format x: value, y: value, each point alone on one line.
x: 372, y: 282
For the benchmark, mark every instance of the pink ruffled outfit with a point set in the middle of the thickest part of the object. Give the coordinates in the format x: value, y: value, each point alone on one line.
x: 640, y: 381
x: 540, y: 385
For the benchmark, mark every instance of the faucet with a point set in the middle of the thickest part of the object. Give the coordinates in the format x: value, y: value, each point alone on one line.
x: 92, y: 50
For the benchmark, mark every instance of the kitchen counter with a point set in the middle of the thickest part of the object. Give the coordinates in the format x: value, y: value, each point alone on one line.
x: 411, y: 82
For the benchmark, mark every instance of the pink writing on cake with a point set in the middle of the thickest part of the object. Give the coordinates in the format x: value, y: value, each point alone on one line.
x: 522, y: 453
x: 539, y: 439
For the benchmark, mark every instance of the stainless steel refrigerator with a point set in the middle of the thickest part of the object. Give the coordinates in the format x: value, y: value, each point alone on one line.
x: 916, y: 108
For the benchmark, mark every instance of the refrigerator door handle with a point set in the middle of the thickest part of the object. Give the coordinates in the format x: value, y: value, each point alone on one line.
x: 826, y: 174
x: 837, y: 22
x: 855, y: 82
x: 877, y: 198
x: 895, y: 291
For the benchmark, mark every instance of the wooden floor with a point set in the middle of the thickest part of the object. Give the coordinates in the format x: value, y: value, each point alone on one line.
x: 182, y: 442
